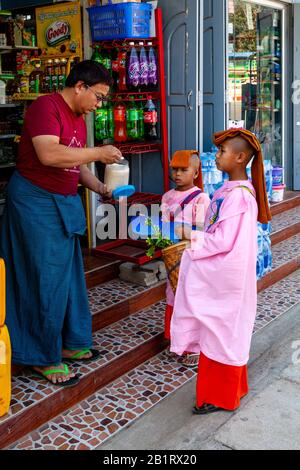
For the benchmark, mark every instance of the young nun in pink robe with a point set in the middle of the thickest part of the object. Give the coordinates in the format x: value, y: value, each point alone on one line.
x: 186, y: 203
x: 216, y: 297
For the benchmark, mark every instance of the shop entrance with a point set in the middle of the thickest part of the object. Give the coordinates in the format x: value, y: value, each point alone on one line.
x: 255, y: 73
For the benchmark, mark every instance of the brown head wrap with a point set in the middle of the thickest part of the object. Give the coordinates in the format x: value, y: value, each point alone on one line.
x: 182, y: 159
x: 257, y: 169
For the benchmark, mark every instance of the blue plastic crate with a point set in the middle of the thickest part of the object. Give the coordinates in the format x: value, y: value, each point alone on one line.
x: 120, y: 21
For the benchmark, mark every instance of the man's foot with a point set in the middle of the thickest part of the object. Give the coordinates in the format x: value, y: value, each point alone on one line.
x: 80, y: 354
x: 57, y: 374
x: 189, y: 360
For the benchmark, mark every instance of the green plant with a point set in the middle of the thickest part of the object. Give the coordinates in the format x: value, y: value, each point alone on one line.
x: 157, y: 241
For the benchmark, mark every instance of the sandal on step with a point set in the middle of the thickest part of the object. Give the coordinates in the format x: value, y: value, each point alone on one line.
x: 205, y: 409
x: 76, y: 357
x: 65, y: 371
x: 189, y: 360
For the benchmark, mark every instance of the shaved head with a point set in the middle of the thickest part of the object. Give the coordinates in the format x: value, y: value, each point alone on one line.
x: 195, y: 161
x: 238, y: 145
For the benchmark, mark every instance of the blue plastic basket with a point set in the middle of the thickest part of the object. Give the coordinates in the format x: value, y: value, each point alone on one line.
x: 120, y: 21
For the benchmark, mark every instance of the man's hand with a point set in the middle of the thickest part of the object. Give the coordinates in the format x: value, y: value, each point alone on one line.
x: 109, y: 154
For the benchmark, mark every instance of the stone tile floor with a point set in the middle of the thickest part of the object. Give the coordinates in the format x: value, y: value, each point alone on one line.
x: 94, y: 420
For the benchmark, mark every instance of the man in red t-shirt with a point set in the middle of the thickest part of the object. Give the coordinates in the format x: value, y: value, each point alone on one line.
x: 47, y: 307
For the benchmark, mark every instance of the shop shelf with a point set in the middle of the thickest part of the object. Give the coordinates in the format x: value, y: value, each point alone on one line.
x: 137, y: 147
x: 9, y: 105
x: 143, y: 94
x: 124, y: 43
x: 8, y: 136
x: 26, y: 96
x: 7, y: 165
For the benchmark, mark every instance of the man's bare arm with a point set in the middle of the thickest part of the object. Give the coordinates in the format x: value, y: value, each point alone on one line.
x: 51, y: 153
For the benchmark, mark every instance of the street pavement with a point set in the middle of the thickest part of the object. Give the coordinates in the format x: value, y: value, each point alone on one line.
x: 268, y: 418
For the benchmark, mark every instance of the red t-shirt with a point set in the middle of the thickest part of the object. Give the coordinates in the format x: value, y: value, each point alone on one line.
x: 51, y: 115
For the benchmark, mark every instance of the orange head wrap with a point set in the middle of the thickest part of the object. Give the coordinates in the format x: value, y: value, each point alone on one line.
x: 257, y: 169
x: 182, y: 159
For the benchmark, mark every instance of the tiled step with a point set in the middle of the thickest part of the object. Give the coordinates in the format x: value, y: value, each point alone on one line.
x: 291, y: 200
x: 99, y: 269
x: 286, y: 260
x: 114, y: 300
x: 91, y: 422
x: 123, y: 346
x: 285, y: 225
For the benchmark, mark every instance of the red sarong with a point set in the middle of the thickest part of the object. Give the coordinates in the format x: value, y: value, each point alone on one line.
x: 168, y: 317
x: 220, y: 385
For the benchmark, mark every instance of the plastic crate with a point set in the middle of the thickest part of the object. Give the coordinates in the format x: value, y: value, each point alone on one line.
x: 120, y: 21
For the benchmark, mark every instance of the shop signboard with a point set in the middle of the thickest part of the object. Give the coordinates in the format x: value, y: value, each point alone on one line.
x: 59, y: 29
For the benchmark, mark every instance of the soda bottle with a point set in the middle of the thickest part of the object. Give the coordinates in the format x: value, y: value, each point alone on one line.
x: 48, y: 77
x: 63, y: 74
x: 141, y: 127
x: 36, y: 79
x: 101, y: 123
x: 120, y: 134
x: 97, y: 56
x: 152, y: 74
x: 55, y: 75
x: 144, y: 67
x: 150, y: 120
x: 110, y: 121
x: 133, y: 68
x: 132, y: 120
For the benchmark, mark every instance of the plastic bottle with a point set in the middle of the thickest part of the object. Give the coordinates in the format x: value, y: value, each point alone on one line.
x: 110, y: 121
x: 36, y: 79
x: 48, y: 76
x: 150, y: 120
x: 141, y: 126
x: 2, y: 92
x: 152, y: 64
x: 120, y: 133
x: 144, y: 67
x: 55, y: 76
x: 133, y: 68
x: 63, y: 74
x: 132, y: 120
x: 101, y: 131
x: 97, y: 56
x: 268, y: 168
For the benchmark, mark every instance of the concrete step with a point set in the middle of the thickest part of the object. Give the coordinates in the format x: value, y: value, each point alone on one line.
x: 116, y: 406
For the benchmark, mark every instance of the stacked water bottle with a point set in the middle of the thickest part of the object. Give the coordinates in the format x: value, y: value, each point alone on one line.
x: 214, y: 179
x: 264, y: 255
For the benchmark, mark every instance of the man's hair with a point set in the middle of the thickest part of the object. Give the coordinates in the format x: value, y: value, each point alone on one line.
x: 89, y: 72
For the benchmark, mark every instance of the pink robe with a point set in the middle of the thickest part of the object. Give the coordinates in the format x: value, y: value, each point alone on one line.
x: 216, y: 297
x: 194, y: 211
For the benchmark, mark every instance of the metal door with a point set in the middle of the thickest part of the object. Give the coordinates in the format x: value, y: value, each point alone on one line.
x: 182, y: 24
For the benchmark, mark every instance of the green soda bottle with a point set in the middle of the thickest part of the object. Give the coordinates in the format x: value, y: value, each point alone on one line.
x: 141, y: 126
x: 132, y: 120
x: 101, y: 132
x: 110, y: 121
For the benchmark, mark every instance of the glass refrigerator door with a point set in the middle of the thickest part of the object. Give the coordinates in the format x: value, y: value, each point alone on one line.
x: 255, y: 73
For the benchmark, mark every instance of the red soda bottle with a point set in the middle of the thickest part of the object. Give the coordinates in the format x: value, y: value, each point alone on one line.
x: 120, y: 133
